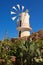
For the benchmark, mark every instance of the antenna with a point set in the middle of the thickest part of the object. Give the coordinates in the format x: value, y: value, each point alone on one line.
x: 6, y: 34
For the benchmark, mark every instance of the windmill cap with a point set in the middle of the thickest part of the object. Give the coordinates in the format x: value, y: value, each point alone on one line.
x: 26, y: 11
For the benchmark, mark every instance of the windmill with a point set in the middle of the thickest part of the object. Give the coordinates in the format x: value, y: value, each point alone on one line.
x: 22, y: 17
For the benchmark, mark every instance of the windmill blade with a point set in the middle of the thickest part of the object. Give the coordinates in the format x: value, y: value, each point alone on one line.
x: 14, y: 8
x: 18, y: 6
x: 18, y: 20
x: 13, y: 18
x: 17, y: 13
x: 13, y: 12
x: 22, y: 8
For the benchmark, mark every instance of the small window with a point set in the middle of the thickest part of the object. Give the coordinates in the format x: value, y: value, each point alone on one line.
x: 19, y: 33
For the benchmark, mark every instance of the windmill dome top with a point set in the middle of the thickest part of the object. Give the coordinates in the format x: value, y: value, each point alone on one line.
x: 26, y: 11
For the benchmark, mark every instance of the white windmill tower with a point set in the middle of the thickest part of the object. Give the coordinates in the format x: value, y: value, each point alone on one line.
x: 23, y: 17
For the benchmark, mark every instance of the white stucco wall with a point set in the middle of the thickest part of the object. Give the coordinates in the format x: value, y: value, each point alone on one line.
x: 25, y: 33
x: 25, y: 19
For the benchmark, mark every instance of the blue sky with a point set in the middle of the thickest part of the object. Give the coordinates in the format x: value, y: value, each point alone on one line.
x: 35, y: 8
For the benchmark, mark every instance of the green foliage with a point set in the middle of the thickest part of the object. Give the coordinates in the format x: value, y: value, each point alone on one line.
x: 26, y: 52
